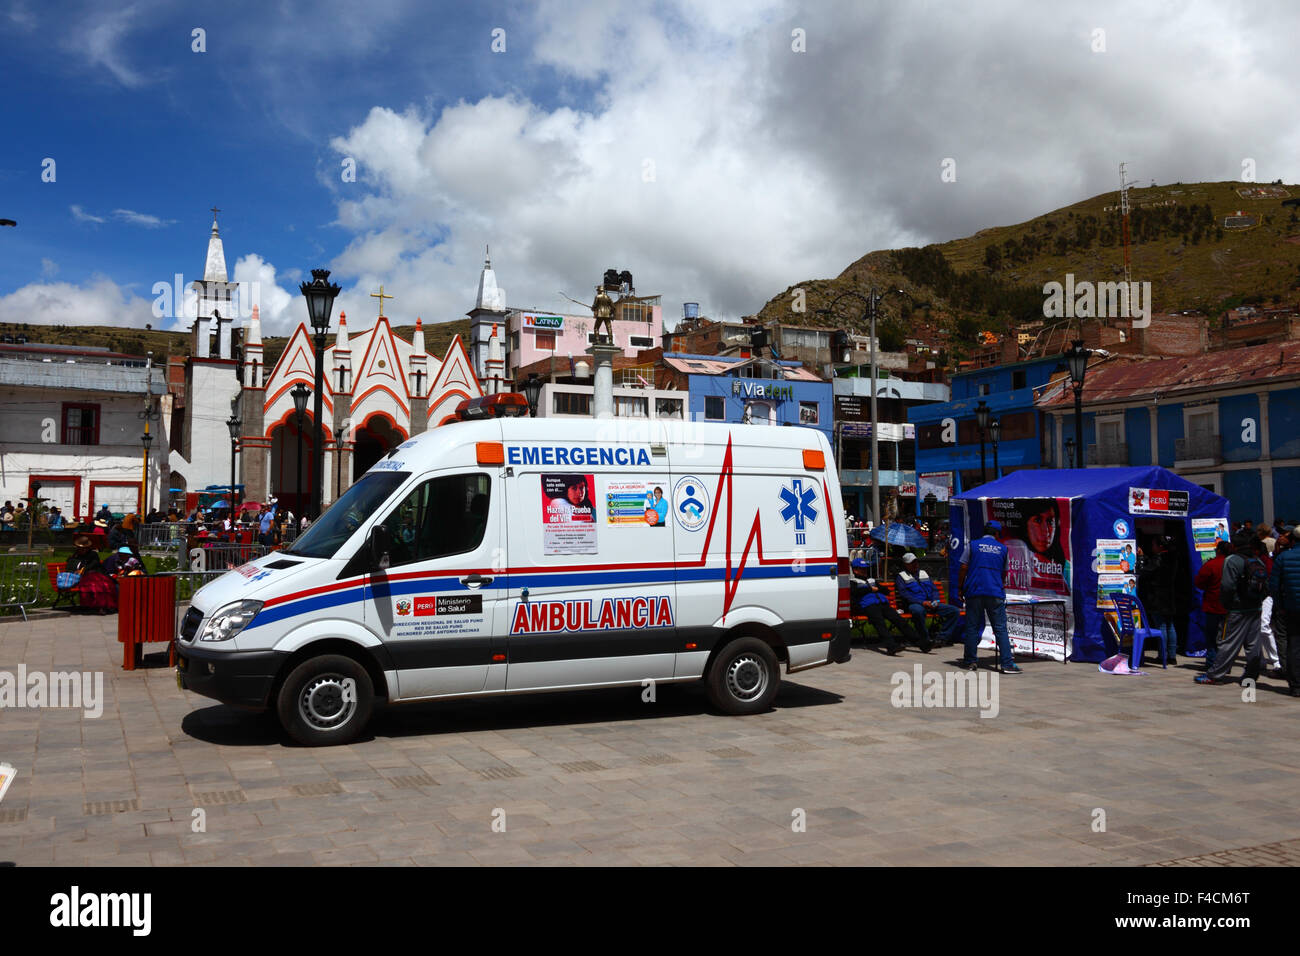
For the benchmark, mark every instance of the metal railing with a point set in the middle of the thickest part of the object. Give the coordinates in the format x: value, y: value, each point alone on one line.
x: 20, y: 581
x: 1198, y: 448
x: 187, y: 582
x: 1113, y: 453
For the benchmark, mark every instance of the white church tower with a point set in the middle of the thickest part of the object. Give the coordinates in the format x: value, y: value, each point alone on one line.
x: 487, y: 317
x: 216, y: 299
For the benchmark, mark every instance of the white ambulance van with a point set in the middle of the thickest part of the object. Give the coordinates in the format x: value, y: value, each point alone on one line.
x: 516, y: 555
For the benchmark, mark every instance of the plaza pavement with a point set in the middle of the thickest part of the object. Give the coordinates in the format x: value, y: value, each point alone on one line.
x: 1183, y: 773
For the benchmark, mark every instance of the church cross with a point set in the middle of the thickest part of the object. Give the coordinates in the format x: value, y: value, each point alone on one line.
x: 381, y: 297
x: 215, y: 210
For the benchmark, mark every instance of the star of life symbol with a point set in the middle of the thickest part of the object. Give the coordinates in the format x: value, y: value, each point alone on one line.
x: 798, y: 506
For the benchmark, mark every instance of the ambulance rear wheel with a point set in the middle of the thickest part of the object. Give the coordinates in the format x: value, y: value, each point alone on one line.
x: 326, y: 700
x: 744, y: 677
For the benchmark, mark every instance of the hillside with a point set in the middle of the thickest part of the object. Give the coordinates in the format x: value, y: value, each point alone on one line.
x: 994, y: 279
x: 139, y: 341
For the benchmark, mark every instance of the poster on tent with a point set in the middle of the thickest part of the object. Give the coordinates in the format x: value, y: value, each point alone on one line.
x: 1207, y: 533
x: 1036, y: 627
x: 1109, y: 584
x: 1115, y: 556
x: 1036, y: 532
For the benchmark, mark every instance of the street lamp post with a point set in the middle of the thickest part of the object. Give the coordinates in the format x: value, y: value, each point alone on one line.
x: 872, y: 302
x: 320, y: 294
x: 299, y: 393
x: 1076, y: 358
x: 146, y: 439
x: 233, y: 424
x: 532, y: 392
x: 982, y: 422
x: 995, y: 432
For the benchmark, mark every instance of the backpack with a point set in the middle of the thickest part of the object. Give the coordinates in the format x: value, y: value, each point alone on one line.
x: 1252, y: 586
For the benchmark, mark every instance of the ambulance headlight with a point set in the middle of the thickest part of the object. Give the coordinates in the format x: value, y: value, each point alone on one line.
x: 228, y: 621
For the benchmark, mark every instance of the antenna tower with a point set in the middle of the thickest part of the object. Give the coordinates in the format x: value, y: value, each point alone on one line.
x: 1123, y: 212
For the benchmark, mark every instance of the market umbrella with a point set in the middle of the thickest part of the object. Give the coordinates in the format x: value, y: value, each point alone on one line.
x: 252, y: 506
x: 219, y: 504
x: 903, y: 535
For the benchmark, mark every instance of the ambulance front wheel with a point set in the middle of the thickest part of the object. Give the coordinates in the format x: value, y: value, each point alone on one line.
x: 744, y: 677
x: 326, y: 700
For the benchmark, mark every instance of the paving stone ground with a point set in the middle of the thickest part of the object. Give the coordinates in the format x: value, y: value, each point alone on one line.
x: 1184, y: 774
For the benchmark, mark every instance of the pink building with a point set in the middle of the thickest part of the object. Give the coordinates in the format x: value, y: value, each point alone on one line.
x: 531, y: 335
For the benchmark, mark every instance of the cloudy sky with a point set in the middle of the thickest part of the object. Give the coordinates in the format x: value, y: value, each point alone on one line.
x: 721, y: 151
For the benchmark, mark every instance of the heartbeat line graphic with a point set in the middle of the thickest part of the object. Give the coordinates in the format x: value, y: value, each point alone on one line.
x: 731, y: 582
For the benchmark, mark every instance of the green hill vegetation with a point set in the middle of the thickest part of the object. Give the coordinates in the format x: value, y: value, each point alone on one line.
x: 1182, y: 242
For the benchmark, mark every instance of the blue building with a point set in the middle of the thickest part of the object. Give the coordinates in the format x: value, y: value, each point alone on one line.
x: 754, y: 391
x: 948, y: 437
x: 1228, y: 421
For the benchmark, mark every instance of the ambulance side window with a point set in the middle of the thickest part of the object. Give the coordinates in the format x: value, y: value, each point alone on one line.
x: 442, y: 516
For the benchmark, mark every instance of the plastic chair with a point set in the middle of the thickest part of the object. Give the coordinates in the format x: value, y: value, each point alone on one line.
x: 1131, y: 616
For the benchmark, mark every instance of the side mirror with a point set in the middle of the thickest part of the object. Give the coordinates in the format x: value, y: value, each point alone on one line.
x: 381, y: 543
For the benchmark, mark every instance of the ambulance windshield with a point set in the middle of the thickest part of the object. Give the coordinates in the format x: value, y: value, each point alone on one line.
x: 341, y: 519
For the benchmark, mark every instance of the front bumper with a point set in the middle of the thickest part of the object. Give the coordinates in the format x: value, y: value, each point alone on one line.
x: 239, y: 678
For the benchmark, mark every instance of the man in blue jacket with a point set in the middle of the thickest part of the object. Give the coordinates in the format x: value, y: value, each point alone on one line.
x: 872, y: 601
x: 983, y: 586
x: 1284, y: 585
x: 917, y: 593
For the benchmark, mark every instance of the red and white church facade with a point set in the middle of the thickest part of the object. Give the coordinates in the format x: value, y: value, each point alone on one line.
x: 379, y: 391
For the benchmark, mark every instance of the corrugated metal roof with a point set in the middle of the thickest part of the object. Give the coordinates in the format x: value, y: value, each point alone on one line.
x: 721, y: 366
x: 81, y: 376
x: 1125, y: 378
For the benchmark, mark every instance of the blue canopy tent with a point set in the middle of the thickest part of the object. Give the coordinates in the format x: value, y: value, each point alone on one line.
x: 1087, y: 506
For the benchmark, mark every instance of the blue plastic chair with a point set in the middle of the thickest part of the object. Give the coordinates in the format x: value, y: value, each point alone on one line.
x: 1129, y: 611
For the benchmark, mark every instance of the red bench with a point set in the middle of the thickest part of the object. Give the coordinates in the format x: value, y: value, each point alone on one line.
x: 860, y: 620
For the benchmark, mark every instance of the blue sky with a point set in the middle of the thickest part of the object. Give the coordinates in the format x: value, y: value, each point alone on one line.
x: 722, y: 152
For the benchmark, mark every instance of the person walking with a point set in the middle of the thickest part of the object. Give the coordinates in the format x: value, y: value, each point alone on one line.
x: 1208, y: 581
x: 1242, y: 591
x: 918, y: 594
x: 982, y: 584
x: 1284, y: 586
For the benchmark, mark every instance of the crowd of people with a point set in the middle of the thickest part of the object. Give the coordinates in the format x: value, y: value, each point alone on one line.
x: 94, y: 576
x: 1251, y: 602
x: 1250, y: 599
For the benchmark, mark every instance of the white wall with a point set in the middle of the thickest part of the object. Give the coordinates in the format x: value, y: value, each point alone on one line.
x: 31, y: 435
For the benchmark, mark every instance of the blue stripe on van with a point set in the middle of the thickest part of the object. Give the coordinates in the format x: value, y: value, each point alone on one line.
x: 539, y: 580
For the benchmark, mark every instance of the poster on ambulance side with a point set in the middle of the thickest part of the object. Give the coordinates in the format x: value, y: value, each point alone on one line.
x: 639, y: 503
x: 568, y: 514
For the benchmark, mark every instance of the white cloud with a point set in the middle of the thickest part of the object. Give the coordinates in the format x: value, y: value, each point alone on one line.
x: 99, y: 301
x: 279, y: 310
x: 100, y: 40
x: 141, y: 219
x: 49, y: 268
x: 82, y: 216
x: 720, y: 165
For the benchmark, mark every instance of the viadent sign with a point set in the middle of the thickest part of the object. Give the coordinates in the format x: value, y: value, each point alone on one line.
x: 543, y: 321
x: 760, y: 390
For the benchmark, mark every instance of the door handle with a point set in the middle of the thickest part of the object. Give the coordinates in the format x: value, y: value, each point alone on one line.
x: 475, y: 580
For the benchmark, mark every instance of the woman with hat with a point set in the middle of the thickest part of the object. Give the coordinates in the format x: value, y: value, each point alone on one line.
x: 96, y: 590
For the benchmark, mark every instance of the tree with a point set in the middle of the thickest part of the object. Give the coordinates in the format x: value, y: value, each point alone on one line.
x: 993, y: 258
